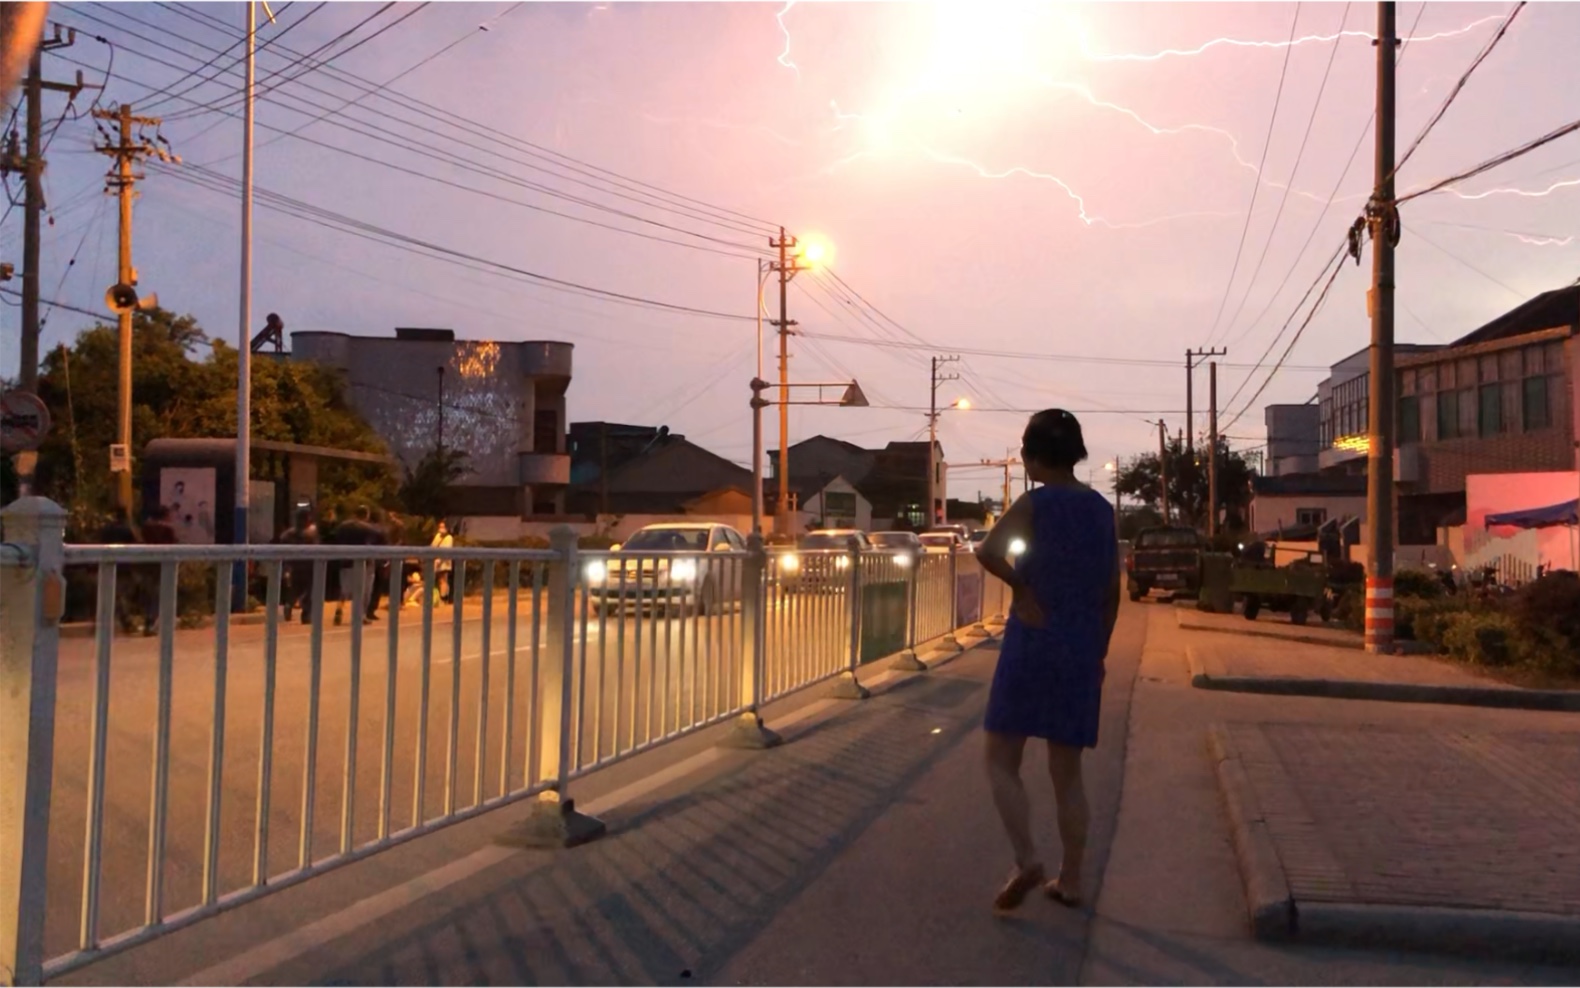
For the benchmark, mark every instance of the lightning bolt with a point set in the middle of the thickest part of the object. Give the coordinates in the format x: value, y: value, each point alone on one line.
x: 1075, y: 197
x: 1095, y: 56
x: 784, y: 56
x: 1529, y: 194
x: 1533, y: 239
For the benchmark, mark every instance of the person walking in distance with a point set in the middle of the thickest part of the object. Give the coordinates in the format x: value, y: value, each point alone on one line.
x: 442, y: 539
x: 299, y: 572
x: 157, y: 530
x: 379, y: 573
x: 353, y: 532
x: 1048, y: 684
x: 118, y: 531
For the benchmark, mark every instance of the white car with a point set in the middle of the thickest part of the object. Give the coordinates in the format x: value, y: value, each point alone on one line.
x: 678, y: 566
x: 820, y: 560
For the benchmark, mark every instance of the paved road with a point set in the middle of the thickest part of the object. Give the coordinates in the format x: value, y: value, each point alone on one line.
x: 645, y: 678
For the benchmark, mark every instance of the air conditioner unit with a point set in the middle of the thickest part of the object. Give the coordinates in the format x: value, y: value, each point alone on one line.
x: 1407, y: 467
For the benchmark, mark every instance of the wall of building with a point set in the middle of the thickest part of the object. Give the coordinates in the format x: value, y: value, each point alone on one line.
x: 860, y: 518
x: 1495, y: 493
x: 1270, y: 511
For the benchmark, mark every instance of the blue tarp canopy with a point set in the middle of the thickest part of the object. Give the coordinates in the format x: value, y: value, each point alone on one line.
x: 1563, y: 513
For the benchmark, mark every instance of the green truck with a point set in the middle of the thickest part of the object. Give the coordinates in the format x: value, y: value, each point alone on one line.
x: 1299, y: 587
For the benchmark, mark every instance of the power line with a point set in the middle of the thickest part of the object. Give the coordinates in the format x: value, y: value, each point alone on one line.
x: 1335, y: 257
x: 1300, y: 155
x: 457, y: 121
x: 1256, y: 186
x: 1459, y: 86
x: 1024, y: 355
x: 1522, y: 296
x: 1496, y: 160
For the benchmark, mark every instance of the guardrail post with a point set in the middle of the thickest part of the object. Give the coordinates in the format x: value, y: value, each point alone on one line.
x: 749, y: 731
x: 32, y: 596
x: 907, y: 660
x: 847, y: 686
x: 554, y: 821
x: 979, y: 626
x: 950, y: 643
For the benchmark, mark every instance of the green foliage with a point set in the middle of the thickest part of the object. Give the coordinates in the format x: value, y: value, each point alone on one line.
x: 184, y: 386
x: 1417, y: 583
x: 429, y: 486
x: 1485, y: 638
x: 1553, y: 603
x: 1188, y: 481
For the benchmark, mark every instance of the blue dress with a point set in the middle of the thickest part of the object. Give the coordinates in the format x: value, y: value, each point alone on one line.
x: 1049, y: 680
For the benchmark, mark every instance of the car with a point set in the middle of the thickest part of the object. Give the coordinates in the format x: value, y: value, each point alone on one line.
x: 1165, y: 558
x: 976, y: 538
x: 946, y: 541
x: 682, y: 572
x: 820, y: 560
x: 906, y: 546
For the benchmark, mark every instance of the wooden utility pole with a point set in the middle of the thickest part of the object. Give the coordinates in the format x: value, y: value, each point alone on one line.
x: 1163, y: 469
x: 1006, y: 463
x: 1383, y: 220
x: 936, y: 513
x: 784, y: 244
x: 1212, y: 450
x: 122, y: 296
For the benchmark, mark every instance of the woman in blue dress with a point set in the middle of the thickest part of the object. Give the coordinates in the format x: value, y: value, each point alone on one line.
x: 1064, y: 574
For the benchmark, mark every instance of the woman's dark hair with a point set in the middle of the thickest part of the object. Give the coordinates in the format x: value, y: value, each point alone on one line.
x: 1053, y: 438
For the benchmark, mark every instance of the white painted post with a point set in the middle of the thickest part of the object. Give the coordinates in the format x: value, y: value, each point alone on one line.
x: 848, y: 685
x: 749, y: 731
x: 32, y: 595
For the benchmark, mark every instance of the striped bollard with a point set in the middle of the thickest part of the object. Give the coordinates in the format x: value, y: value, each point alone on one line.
x: 1379, y: 615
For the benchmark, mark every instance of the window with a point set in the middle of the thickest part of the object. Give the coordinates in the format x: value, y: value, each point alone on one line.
x: 1448, y: 415
x: 1490, y: 416
x: 545, y: 431
x: 1511, y: 404
x: 1428, y: 418
x: 1310, y: 516
x: 1537, y: 409
x: 1468, y: 419
x: 1409, y: 420
x: 839, y: 504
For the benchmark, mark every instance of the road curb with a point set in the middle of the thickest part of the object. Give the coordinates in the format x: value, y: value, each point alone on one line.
x: 1268, y: 902
x: 1548, y: 938
x: 1500, y: 697
x: 1251, y: 631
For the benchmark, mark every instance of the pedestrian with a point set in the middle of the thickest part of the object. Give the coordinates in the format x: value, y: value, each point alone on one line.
x: 118, y: 531
x: 1048, y: 684
x: 299, y: 572
x: 379, y: 573
x: 353, y: 532
x: 157, y: 530
x: 441, y: 568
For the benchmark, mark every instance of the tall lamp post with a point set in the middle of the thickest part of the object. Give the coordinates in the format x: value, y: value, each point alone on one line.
x: 959, y: 404
x: 764, y: 269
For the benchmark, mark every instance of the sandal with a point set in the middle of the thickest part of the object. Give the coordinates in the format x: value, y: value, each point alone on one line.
x: 1057, y: 894
x: 1017, y: 888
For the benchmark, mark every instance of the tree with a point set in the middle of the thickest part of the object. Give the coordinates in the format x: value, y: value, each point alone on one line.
x: 1188, y: 483
x: 428, y: 486
x: 184, y: 386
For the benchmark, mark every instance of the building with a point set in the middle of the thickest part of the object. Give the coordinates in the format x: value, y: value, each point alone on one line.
x: 502, y: 404
x: 1294, y: 438
x: 1305, y: 500
x: 892, y: 479
x: 1499, y: 400
x: 823, y: 501
x: 667, y: 476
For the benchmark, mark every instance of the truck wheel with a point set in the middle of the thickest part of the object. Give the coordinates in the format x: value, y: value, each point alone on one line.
x: 1252, y: 606
x: 1298, y: 610
x: 1325, y: 609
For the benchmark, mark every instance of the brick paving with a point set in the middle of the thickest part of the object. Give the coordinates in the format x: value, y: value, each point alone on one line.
x: 1448, y: 818
x: 1220, y: 655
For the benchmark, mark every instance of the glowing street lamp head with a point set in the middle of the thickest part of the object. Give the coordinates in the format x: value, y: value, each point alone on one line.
x: 964, y: 404
x: 815, y: 253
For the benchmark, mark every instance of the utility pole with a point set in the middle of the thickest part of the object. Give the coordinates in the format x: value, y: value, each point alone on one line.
x: 787, y: 270
x: 1007, y: 462
x: 122, y: 295
x: 936, y: 513
x: 1212, y: 450
x: 1190, y: 402
x: 239, y: 527
x: 1163, y: 469
x: 1383, y: 219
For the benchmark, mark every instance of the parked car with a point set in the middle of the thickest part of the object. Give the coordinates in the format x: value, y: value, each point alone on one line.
x: 976, y: 538
x: 687, y: 576
x: 821, y: 560
x: 1167, y: 558
x: 946, y: 541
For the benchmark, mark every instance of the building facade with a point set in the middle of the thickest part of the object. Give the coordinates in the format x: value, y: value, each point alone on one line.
x: 502, y: 404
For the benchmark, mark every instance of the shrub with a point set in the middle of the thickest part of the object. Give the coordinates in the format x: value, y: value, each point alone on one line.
x: 1350, y: 611
x: 1347, y: 573
x: 1417, y: 583
x: 1425, y: 619
x: 1487, y: 638
x: 1551, y: 603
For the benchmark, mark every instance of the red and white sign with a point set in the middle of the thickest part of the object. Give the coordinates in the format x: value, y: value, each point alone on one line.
x: 24, y: 422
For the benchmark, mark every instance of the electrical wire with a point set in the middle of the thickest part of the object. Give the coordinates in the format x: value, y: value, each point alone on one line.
x: 1522, y: 296
x: 1300, y: 155
x: 1495, y: 161
x: 1025, y: 355
x: 1336, y: 257
x: 1256, y: 187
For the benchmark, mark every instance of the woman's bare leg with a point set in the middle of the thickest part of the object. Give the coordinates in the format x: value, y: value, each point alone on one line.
x: 1009, y: 795
x: 1064, y: 767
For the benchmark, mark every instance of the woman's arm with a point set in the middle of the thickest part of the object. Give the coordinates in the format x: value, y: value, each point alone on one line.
x: 993, y: 553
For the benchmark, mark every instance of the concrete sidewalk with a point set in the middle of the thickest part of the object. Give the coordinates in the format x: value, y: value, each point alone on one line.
x: 1286, y: 664
x: 1268, y: 624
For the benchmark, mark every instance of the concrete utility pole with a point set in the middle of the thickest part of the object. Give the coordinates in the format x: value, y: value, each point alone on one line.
x: 239, y: 527
x: 1163, y: 469
x: 1383, y: 220
x: 1190, y: 398
x: 936, y: 513
x: 787, y: 270
x: 31, y: 165
x: 122, y: 296
x: 1212, y: 450
x: 1007, y: 463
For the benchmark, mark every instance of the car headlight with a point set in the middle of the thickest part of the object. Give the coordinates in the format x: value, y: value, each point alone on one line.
x: 1017, y: 546
x: 597, y: 571
x: 790, y: 561
x: 683, y: 570
x: 842, y: 562
x: 902, y: 560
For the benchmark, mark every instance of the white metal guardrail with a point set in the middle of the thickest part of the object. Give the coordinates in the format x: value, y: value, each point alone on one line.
x: 223, y: 756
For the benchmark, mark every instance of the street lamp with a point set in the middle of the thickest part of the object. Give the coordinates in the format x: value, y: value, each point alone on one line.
x: 851, y: 396
x: 959, y: 404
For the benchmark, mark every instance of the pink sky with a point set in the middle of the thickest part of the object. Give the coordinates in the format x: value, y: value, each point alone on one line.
x: 1009, y: 177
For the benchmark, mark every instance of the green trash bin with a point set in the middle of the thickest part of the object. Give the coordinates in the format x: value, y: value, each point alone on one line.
x: 1216, y: 568
x: 883, y: 619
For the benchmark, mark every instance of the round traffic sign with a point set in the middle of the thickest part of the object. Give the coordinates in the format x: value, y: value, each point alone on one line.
x: 24, y: 421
